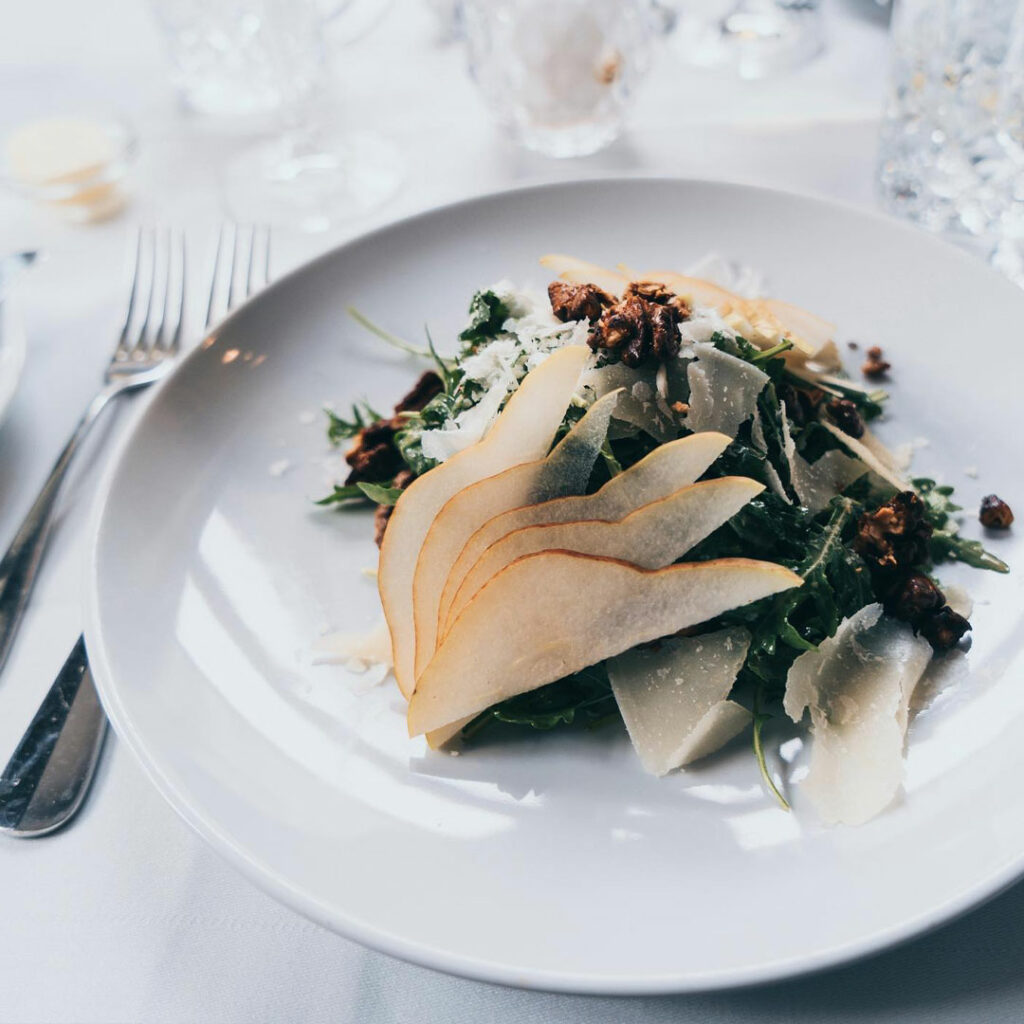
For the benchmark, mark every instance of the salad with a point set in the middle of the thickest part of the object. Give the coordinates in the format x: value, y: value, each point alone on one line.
x: 645, y: 497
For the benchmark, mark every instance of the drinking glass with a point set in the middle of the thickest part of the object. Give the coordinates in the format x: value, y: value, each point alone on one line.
x: 310, y: 171
x: 225, y: 54
x: 756, y: 38
x: 951, y: 150
x: 559, y: 74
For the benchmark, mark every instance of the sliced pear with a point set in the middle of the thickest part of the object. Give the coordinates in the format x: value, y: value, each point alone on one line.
x: 857, y: 686
x: 651, y: 537
x: 655, y: 476
x: 521, y: 433
x: 697, y: 290
x: 723, y: 390
x: 553, y: 613
x: 565, y: 470
x: 673, y: 696
x: 437, y: 738
x: 569, y: 268
x: 809, y: 332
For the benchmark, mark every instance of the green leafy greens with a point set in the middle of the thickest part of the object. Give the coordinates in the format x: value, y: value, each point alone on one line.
x: 818, y: 546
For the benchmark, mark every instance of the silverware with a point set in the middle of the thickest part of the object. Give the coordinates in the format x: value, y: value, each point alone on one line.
x: 46, y: 779
x: 49, y: 774
x: 141, y: 356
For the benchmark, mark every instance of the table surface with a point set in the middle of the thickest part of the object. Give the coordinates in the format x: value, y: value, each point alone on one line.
x: 127, y: 915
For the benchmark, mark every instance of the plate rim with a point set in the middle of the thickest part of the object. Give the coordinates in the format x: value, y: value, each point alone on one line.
x: 420, y: 953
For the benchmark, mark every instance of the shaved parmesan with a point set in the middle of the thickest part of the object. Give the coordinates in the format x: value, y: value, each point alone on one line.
x: 857, y: 686
x: 899, y: 460
x: 723, y: 390
x: 740, y: 279
x: 356, y: 651
x: 774, y: 480
x: 885, y: 470
x: 817, y: 483
x: 640, y: 404
x: 673, y: 696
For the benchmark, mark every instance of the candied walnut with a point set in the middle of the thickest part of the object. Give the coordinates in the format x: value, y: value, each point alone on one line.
x: 801, y: 403
x: 653, y: 291
x: 427, y: 387
x: 640, y: 327
x: 373, y: 457
x: 382, y: 514
x: 895, y: 536
x: 578, y: 301
x: 846, y: 416
x: 875, y: 365
x: 914, y: 597
x: 995, y: 513
x: 944, y: 628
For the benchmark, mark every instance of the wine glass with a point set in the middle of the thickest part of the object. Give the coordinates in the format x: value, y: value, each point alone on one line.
x: 268, y: 58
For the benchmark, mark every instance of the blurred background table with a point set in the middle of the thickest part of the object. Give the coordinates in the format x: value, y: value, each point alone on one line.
x: 127, y: 916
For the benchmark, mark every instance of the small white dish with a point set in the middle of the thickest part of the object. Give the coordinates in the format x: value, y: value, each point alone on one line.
x: 552, y: 862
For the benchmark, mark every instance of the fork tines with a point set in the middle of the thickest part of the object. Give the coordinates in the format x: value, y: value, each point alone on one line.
x: 241, y: 267
x: 155, y: 316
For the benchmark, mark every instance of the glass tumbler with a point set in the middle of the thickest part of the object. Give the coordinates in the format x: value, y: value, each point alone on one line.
x: 559, y: 74
x: 951, y: 149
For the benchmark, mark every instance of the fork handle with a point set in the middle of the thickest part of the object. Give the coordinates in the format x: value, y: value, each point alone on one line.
x: 20, y: 565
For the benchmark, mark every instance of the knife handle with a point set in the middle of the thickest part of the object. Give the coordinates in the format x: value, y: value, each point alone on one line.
x: 48, y: 775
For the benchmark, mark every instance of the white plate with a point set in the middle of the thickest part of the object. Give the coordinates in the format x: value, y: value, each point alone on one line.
x: 551, y: 862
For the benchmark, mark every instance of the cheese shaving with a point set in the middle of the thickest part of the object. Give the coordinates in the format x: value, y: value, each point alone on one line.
x: 857, y: 686
x: 639, y: 404
x: 817, y: 483
x: 673, y: 697
x: 527, y: 338
x: 356, y: 651
x: 774, y: 480
x: 886, y: 471
x: 723, y: 390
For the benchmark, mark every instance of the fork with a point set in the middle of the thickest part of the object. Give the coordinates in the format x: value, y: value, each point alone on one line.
x: 49, y: 773
x: 140, y: 357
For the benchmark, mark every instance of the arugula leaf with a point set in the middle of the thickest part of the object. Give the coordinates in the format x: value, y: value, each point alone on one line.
x: 836, y: 581
x: 946, y: 542
x: 341, y: 429
x: 386, y: 336
x: 585, y: 697
x: 379, y: 494
x: 487, y: 314
x: 342, y: 494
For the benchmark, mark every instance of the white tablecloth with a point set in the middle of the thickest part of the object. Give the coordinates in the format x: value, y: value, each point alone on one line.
x: 127, y: 916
